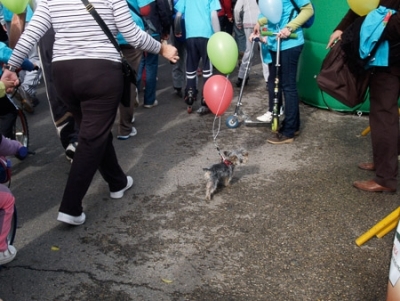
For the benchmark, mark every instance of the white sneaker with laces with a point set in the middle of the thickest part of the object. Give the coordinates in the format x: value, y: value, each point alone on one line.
x: 8, y: 255
x: 267, y: 117
x: 70, y: 219
x: 131, y: 134
x: 120, y: 194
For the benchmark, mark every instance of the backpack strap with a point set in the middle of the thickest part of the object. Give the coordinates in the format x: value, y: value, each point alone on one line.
x: 296, y: 7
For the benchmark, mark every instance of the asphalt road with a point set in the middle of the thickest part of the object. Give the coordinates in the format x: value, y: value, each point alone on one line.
x: 284, y: 230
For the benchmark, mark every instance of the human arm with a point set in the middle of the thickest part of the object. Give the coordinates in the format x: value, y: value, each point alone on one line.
x: 38, y: 26
x: 344, y: 23
x: 215, y: 21
x: 177, y: 25
x: 16, y: 28
x: 165, y: 15
x: 237, y: 16
x: 306, y: 12
x: 227, y: 5
x: 138, y: 38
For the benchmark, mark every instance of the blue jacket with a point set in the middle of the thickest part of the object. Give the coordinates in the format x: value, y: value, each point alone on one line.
x: 370, y: 34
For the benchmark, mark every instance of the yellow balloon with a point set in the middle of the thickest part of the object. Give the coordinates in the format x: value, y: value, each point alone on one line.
x: 15, y: 6
x: 362, y: 7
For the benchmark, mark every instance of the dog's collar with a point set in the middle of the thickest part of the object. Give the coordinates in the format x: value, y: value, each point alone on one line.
x: 227, y: 162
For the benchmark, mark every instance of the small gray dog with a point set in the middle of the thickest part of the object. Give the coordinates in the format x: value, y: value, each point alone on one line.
x: 222, y: 173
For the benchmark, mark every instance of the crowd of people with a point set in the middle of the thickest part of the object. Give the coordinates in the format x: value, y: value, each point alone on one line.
x: 84, y: 81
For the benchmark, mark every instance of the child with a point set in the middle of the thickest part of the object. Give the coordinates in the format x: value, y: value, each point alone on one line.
x: 204, y: 22
x: 7, y: 200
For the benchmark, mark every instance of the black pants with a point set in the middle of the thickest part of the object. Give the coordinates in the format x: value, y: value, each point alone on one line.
x: 92, y: 90
x: 62, y: 118
x: 384, y: 122
x: 8, y: 115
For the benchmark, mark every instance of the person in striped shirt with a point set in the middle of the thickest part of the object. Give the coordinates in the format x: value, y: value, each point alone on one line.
x: 88, y: 77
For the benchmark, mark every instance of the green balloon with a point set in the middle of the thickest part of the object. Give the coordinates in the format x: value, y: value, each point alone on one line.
x: 15, y: 6
x: 223, y: 52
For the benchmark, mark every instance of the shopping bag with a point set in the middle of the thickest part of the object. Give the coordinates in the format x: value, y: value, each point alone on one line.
x: 336, y: 79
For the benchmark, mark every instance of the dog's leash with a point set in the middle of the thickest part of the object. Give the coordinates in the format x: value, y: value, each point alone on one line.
x: 215, y: 135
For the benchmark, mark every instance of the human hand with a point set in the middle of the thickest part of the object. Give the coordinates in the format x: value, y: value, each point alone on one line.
x: 335, y: 36
x: 256, y: 29
x: 10, y: 85
x: 169, y: 52
x: 284, y: 33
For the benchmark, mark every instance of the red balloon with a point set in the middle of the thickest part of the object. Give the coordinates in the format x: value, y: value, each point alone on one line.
x: 218, y: 94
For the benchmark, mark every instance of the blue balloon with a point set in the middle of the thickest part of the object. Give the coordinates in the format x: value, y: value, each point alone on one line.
x: 271, y: 9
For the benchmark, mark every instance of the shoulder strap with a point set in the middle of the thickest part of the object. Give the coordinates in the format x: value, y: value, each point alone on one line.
x: 90, y: 8
x: 295, y: 6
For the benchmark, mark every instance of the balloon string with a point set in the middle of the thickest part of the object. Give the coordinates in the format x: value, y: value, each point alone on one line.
x: 215, y: 134
x: 220, y: 103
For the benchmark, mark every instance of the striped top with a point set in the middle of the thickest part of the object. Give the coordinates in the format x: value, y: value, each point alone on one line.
x: 78, y: 36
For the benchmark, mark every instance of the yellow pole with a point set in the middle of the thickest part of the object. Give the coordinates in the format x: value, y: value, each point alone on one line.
x: 366, y: 131
x: 394, y: 216
x: 387, y: 229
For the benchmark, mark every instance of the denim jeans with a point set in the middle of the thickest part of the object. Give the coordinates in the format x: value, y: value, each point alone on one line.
x: 149, y: 63
x: 289, y: 59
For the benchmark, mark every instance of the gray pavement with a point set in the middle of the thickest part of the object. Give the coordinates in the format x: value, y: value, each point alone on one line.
x: 284, y: 230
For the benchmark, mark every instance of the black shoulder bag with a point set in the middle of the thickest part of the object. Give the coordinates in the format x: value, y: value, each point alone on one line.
x: 128, y: 71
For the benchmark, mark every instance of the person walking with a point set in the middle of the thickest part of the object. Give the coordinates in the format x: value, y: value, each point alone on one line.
x: 384, y: 91
x: 290, y: 50
x: 203, y: 16
x: 250, y: 16
x: 133, y: 55
x: 158, y: 26
x: 178, y: 69
x: 88, y: 75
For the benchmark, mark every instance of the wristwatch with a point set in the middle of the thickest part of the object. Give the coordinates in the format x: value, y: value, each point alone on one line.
x: 10, y: 68
x: 289, y: 28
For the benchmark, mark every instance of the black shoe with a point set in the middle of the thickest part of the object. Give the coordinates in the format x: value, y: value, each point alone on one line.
x: 190, y: 98
x: 240, y: 81
x: 178, y: 91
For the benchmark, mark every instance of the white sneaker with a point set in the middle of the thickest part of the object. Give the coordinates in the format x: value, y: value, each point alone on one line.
x: 120, y: 194
x: 267, y: 117
x: 155, y: 103
x: 131, y: 134
x: 70, y: 219
x: 70, y: 150
x: 8, y: 255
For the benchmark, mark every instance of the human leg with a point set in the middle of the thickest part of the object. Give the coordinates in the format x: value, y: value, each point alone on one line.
x: 7, y: 202
x: 207, y: 71
x: 289, y: 65
x: 66, y: 127
x: 94, y: 99
x: 384, y: 123
x: 178, y: 69
x: 125, y: 128
x: 246, y: 59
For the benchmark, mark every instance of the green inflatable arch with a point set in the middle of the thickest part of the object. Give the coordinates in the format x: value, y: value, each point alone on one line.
x: 327, y: 15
